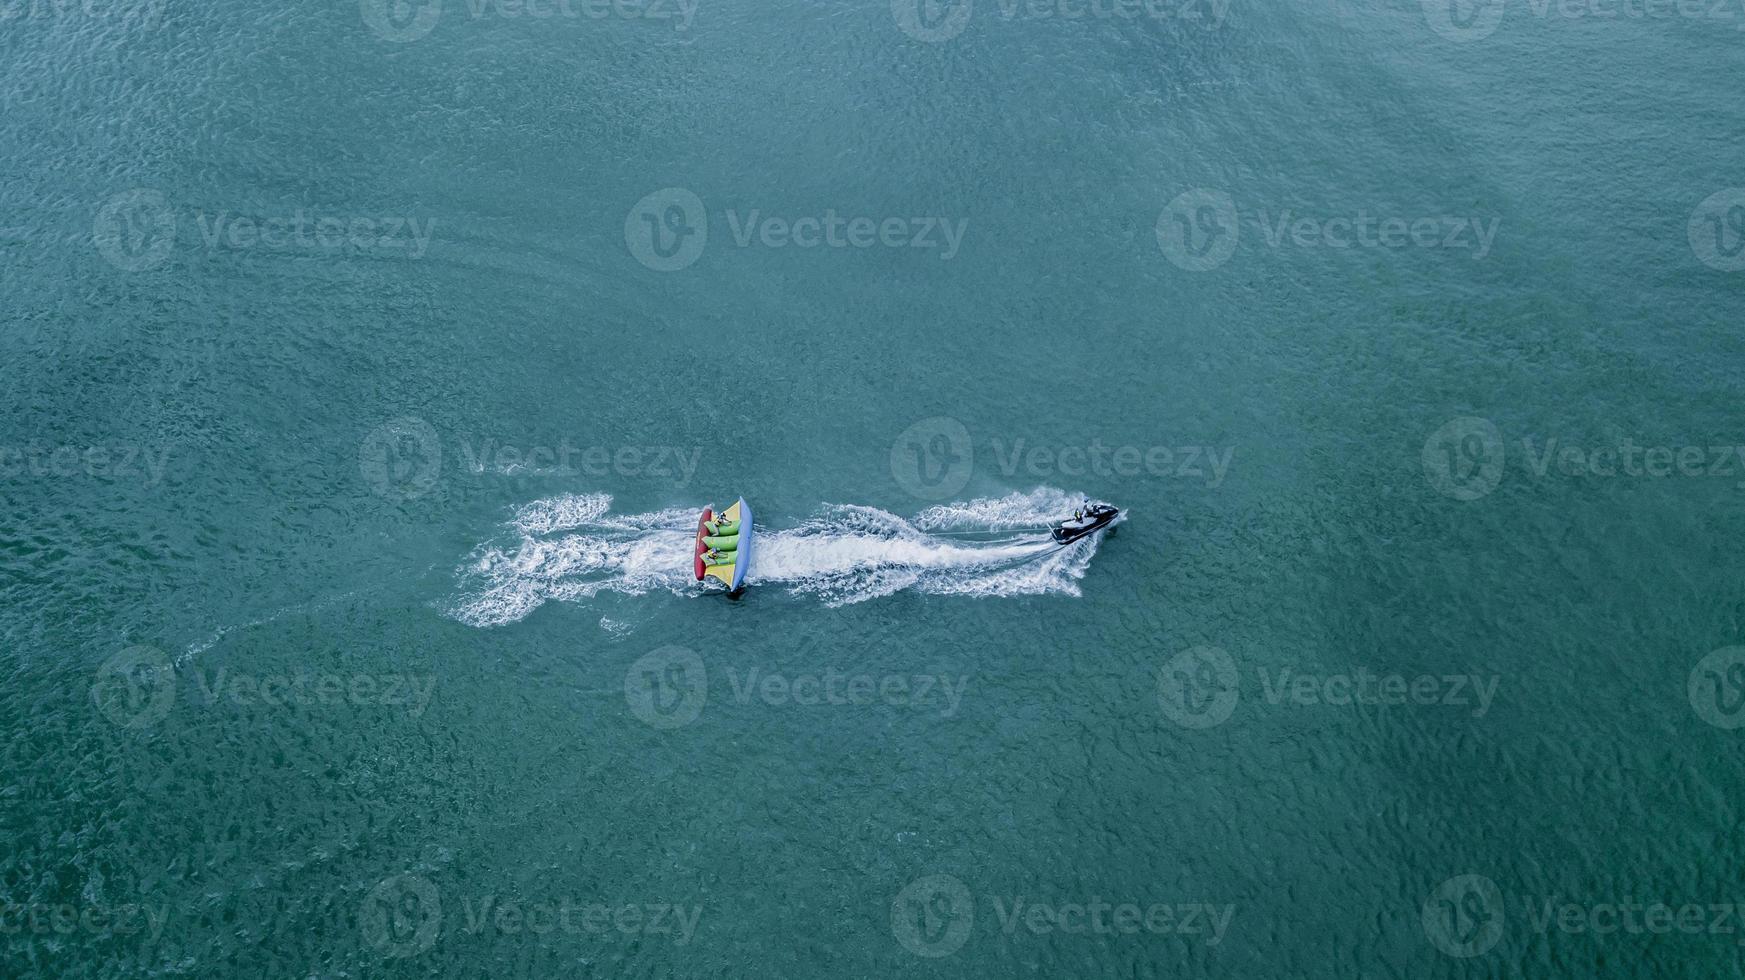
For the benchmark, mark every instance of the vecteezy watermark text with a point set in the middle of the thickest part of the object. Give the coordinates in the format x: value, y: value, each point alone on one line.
x: 401, y: 459
x: 403, y: 916
x: 117, y: 463
x: 669, y: 687
x: 668, y: 229
x: 1200, y: 229
x: 410, y: 691
x: 137, y: 688
x: 138, y: 229
x: 1100, y: 918
x: 935, y: 915
x: 940, y: 694
x: 566, y: 459
x: 1465, y: 459
x: 402, y: 21
x: 1180, y: 462
x: 1467, y: 915
x: 68, y: 919
x: 1363, y: 687
x: 302, y: 231
x: 1474, y: 20
x: 935, y: 457
x: 933, y: 21
x: 832, y: 230
x: 1200, y: 688
x: 574, y: 917
x: 144, y: 14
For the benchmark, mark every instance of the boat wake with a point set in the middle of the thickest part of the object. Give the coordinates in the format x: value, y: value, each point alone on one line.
x: 573, y: 548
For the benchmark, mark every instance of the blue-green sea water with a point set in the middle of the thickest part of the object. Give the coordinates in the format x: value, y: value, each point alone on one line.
x: 367, y: 364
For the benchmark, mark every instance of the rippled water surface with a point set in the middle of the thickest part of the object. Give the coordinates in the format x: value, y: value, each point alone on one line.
x: 367, y: 364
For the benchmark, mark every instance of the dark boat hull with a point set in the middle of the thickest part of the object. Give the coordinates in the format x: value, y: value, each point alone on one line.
x: 1068, y: 532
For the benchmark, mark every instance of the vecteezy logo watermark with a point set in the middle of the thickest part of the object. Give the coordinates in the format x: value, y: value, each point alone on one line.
x: 1198, y: 687
x: 1717, y: 230
x: 667, y: 688
x: 401, y: 21
x: 66, y: 919
x: 666, y: 231
x: 1464, y: 459
x: 1464, y: 916
x: 932, y: 916
x: 936, y: 21
x: 135, y: 230
x: 409, y: 691
x: 401, y: 916
x: 1716, y: 688
x: 931, y: 21
x: 1475, y: 20
x: 1199, y: 231
x: 1463, y: 20
x: 117, y: 463
x: 401, y: 458
x: 135, y: 688
x: 933, y: 458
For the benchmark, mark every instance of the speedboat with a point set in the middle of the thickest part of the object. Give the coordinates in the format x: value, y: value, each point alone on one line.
x: 1092, y: 518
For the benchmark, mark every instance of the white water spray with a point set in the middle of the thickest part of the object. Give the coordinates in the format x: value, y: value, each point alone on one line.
x: 572, y: 548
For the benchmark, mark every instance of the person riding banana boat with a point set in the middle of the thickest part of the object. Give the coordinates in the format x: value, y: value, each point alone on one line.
x: 724, y: 544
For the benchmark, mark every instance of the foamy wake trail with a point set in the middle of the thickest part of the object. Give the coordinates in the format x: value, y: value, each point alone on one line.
x: 573, y: 548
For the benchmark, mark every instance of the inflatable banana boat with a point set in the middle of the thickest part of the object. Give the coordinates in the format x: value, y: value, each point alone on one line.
x: 724, y: 545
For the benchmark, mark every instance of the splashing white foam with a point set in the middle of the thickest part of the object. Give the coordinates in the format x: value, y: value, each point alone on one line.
x: 572, y: 548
